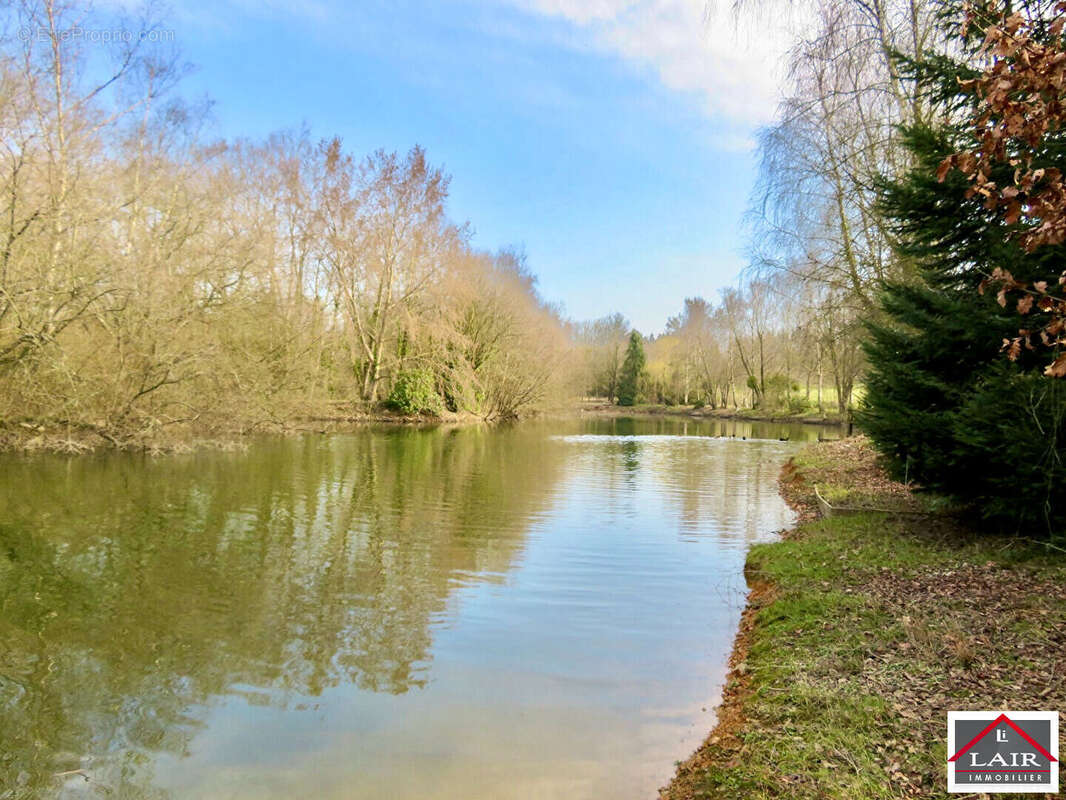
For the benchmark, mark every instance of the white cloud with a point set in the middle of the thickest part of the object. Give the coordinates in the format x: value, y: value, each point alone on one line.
x: 734, y: 63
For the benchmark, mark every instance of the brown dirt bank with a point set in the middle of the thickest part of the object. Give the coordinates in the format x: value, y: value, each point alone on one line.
x: 60, y: 436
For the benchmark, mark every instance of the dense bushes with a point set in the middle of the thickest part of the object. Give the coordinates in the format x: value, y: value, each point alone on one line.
x: 413, y: 392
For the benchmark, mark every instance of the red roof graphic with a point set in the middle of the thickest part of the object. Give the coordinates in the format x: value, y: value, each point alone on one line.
x: 993, y: 724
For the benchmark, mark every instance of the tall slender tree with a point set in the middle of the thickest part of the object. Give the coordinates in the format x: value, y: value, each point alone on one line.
x: 632, y: 371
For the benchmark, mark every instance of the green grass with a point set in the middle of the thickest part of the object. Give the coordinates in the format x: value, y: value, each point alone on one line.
x: 868, y: 639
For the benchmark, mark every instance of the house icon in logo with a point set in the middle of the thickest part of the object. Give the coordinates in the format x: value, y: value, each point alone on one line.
x: 1012, y: 751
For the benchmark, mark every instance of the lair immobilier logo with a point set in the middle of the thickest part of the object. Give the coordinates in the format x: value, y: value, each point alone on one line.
x: 1003, y: 751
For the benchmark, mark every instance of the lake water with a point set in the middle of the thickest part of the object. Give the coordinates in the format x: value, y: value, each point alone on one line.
x: 536, y: 611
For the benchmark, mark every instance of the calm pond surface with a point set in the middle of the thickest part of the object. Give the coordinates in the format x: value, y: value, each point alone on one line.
x: 536, y: 611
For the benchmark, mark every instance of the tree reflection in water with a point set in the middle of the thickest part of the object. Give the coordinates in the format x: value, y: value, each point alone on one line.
x: 133, y: 589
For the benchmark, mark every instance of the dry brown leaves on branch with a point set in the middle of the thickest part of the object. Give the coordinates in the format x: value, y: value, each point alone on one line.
x: 1020, y: 101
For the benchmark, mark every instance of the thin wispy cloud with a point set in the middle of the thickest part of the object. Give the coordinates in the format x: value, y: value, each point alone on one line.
x: 733, y: 63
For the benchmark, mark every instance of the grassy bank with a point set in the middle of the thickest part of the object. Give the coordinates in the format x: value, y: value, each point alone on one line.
x: 705, y: 412
x: 863, y: 631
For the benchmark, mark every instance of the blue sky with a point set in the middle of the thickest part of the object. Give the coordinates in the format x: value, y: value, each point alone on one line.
x: 609, y: 138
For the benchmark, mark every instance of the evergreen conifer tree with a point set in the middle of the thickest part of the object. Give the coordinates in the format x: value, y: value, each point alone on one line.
x: 632, y: 371
x: 942, y: 401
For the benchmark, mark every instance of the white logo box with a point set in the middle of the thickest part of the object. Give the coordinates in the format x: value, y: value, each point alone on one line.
x: 1000, y: 788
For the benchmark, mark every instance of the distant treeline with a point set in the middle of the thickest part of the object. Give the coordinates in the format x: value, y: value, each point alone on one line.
x: 754, y: 348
